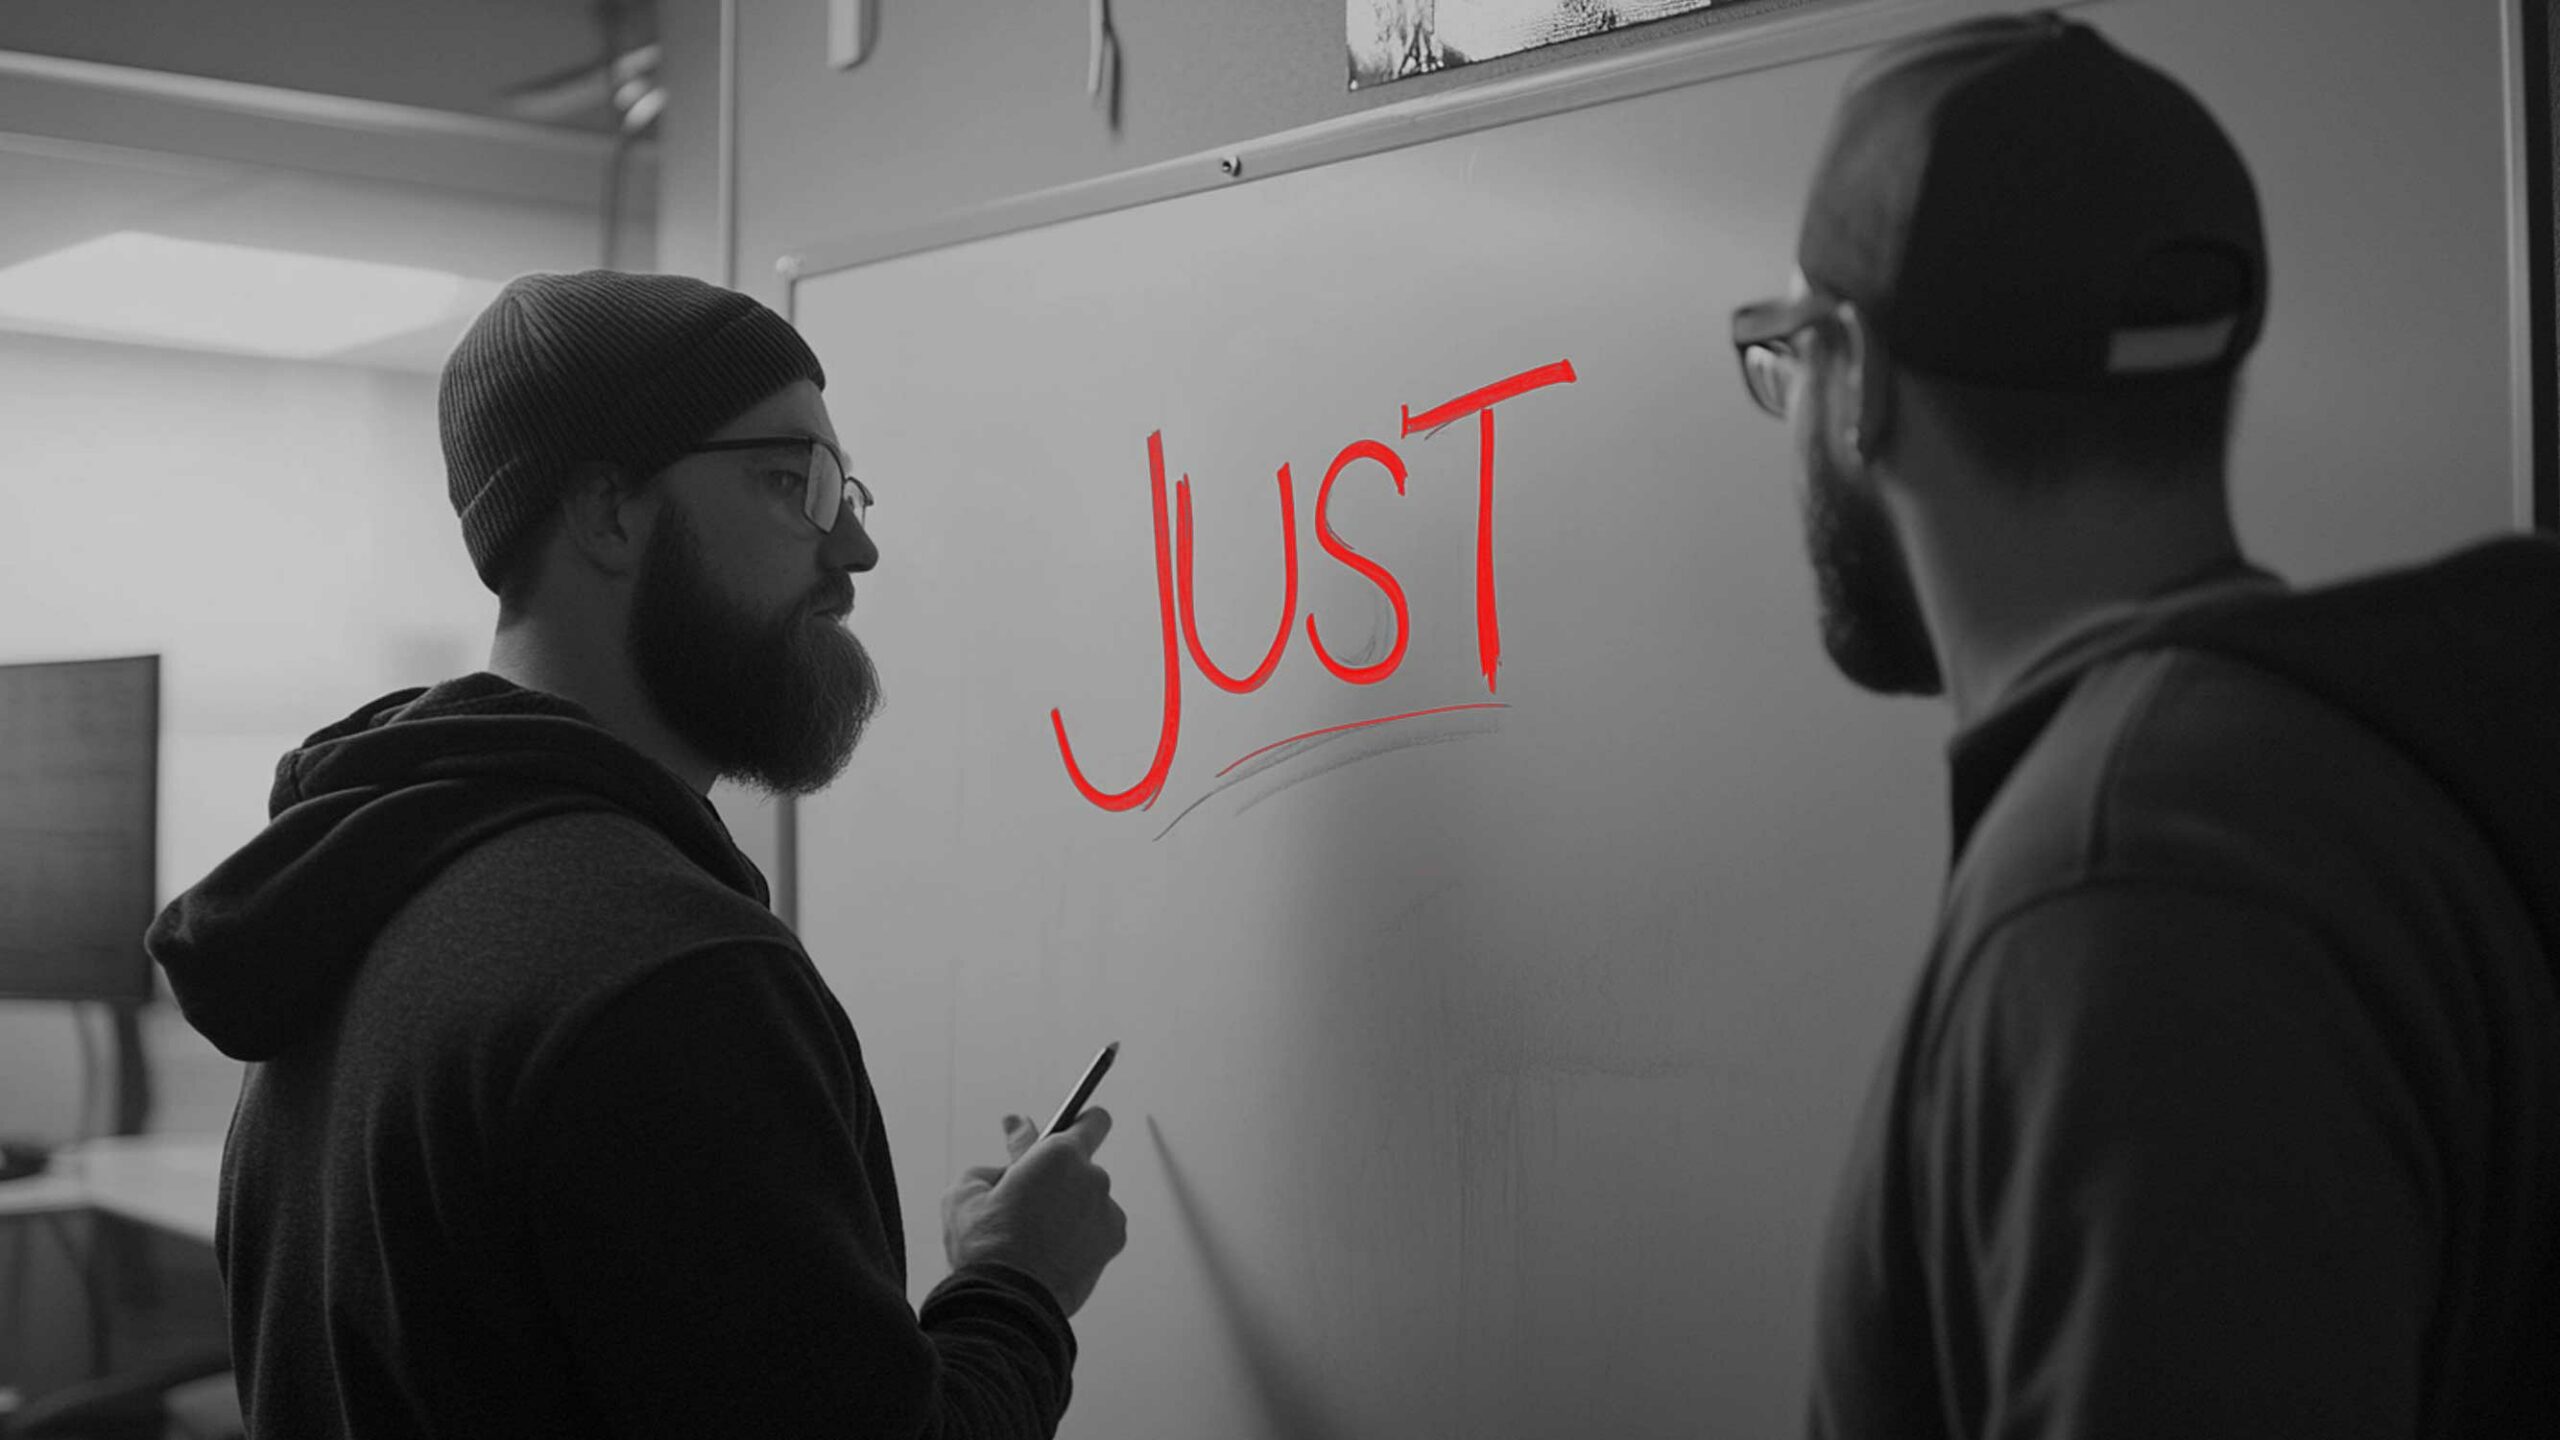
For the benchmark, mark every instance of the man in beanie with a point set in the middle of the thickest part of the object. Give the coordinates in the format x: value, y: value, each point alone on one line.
x: 550, y: 1127
x: 2228, y: 1103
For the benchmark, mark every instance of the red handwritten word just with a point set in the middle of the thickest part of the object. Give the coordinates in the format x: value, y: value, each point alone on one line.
x: 1173, y: 573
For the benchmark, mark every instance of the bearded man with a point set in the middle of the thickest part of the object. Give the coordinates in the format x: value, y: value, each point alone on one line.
x: 550, y: 1126
x: 2227, y: 1103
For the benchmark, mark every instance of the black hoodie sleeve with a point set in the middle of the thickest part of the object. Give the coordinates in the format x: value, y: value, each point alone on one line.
x: 711, y: 1199
x: 2171, y: 1180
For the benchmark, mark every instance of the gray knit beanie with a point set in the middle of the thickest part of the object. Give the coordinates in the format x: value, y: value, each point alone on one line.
x: 597, y: 366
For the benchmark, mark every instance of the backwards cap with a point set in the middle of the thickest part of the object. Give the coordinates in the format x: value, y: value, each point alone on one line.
x: 2015, y: 202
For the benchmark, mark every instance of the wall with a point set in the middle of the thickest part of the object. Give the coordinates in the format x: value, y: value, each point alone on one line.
x: 965, y: 101
x: 278, y: 532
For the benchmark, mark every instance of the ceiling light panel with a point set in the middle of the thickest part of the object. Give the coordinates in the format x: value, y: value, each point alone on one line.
x: 161, y: 290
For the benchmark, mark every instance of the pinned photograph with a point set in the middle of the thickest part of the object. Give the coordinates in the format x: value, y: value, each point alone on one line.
x: 1391, y: 39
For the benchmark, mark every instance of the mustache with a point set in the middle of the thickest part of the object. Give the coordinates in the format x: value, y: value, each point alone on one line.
x: 838, y: 596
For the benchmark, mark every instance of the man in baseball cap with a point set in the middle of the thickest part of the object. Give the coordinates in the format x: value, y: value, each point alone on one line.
x: 550, y: 1126
x: 2228, y: 1103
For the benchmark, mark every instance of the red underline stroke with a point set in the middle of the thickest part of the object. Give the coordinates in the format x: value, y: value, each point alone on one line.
x: 1364, y: 724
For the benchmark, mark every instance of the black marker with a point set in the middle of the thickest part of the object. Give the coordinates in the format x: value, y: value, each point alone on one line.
x: 1084, y: 1091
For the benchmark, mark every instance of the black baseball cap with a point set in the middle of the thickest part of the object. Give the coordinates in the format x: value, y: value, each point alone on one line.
x: 2014, y: 202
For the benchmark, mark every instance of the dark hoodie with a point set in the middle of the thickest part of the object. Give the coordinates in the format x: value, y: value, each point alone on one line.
x: 2228, y: 1103
x: 550, y: 1127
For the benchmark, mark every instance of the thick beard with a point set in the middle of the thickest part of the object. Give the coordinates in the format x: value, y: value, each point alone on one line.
x: 1871, y: 620
x: 775, y: 703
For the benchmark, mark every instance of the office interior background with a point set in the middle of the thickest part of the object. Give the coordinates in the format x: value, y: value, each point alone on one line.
x: 232, y: 256
x: 234, y: 249
x: 235, y: 246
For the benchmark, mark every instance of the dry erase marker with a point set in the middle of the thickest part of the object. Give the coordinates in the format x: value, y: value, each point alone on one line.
x: 1084, y: 1091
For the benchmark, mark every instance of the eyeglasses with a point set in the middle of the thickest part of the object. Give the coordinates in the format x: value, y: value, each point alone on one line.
x: 1764, y: 339
x: 826, y: 489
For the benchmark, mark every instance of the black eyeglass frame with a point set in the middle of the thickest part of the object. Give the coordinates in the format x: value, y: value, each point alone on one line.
x: 1768, y: 329
x: 814, y: 499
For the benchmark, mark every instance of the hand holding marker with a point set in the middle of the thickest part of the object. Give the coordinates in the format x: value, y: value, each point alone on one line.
x: 1048, y: 1213
x: 1093, y: 1074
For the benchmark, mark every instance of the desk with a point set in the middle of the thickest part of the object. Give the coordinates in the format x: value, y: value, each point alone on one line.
x: 171, y: 1182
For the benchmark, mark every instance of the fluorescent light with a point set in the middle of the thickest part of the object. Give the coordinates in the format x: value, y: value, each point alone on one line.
x: 161, y: 290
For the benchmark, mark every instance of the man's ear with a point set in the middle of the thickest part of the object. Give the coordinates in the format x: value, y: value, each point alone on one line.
x: 1866, y: 377
x: 604, y: 517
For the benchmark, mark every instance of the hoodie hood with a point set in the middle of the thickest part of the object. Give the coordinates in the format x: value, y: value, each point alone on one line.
x: 366, y: 812
x: 2456, y: 663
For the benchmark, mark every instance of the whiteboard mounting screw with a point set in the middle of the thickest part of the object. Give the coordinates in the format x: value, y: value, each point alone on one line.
x: 1231, y: 166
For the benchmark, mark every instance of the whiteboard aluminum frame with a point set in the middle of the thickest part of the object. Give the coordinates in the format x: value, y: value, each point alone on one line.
x: 1785, y: 38
x: 2525, y: 387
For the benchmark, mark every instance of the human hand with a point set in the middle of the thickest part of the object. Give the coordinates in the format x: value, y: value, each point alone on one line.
x: 1048, y: 1214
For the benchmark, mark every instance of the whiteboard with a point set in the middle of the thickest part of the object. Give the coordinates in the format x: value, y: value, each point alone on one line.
x: 1486, y: 1071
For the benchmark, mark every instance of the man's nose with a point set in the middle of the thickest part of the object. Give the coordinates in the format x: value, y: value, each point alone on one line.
x: 849, y: 545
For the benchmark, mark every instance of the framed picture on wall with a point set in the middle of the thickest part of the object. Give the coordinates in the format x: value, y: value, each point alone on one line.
x: 1391, y: 39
